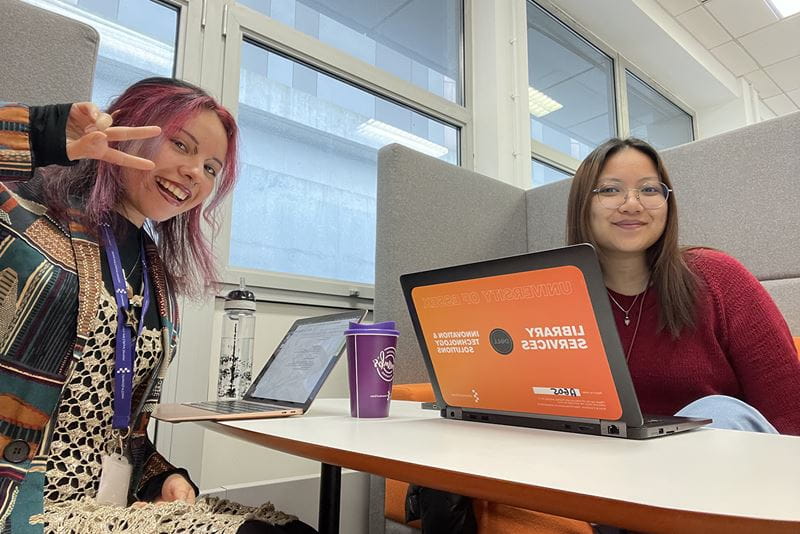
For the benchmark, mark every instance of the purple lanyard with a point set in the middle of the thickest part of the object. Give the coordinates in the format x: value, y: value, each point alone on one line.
x: 124, y: 346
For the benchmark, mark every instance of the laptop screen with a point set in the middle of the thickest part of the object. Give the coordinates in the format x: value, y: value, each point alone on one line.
x: 520, y: 342
x: 303, y: 359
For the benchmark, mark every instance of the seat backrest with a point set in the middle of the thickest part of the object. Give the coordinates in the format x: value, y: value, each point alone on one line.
x: 736, y: 191
x: 47, y: 58
x: 433, y: 214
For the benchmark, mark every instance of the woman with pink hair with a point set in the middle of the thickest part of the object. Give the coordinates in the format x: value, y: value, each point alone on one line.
x: 94, y: 250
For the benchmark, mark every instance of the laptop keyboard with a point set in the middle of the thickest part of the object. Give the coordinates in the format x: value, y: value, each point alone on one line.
x: 236, y: 406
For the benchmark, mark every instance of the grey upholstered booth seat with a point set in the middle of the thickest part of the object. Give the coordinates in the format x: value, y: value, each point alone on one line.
x: 46, y: 58
x: 737, y: 191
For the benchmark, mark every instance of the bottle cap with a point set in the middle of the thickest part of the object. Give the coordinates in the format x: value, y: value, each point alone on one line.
x: 240, y: 298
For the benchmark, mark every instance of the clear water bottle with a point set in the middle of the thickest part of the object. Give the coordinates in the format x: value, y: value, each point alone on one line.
x: 236, y: 352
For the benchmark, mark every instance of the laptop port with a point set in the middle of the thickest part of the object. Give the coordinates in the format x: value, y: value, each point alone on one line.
x: 484, y: 418
x: 473, y: 416
x: 660, y: 430
x: 584, y: 428
x: 613, y: 430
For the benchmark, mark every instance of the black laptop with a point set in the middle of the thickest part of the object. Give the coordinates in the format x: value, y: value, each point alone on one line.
x: 529, y: 340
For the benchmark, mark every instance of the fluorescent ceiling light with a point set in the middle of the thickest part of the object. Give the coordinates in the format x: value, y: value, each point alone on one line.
x: 785, y: 8
x: 384, y: 134
x: 540, y: 104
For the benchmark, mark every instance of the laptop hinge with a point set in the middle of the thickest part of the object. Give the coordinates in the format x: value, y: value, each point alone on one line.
x: 617, y: 429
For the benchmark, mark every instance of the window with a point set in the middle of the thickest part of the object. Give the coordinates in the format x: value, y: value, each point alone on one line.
x: 654, y: 118
x: 416, y: 40
x: 571, y: 87
x: 137, y: 40
x: 305, y: 201
x: 542, y: 173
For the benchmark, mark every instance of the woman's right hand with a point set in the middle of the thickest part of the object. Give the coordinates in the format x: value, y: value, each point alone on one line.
x: 89, y: 131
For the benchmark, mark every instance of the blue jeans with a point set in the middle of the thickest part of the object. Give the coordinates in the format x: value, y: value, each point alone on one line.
x: 729, y: 413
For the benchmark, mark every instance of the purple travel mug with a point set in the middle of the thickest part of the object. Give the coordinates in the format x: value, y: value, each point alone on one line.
x: 370, y: 366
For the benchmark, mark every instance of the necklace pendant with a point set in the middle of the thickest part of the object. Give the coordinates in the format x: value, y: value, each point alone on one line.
x: 130, y: 319
x: 627, y: 321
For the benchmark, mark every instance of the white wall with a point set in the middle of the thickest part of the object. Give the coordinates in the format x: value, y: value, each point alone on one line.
x: 234, y: 469
x: 207, y: 454
x: 735, y: 113
x: 258, y: 463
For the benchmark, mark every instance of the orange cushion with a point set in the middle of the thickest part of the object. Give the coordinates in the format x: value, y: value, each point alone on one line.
x: 422, y: 392
x: 395, y: 503
x: 493, y: 517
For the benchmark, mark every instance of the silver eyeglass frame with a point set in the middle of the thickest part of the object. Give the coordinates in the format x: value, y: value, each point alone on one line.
x: 596, y: 191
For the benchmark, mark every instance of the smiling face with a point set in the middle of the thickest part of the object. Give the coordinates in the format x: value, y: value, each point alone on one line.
x: 186, y: 166
x: 630, y: 229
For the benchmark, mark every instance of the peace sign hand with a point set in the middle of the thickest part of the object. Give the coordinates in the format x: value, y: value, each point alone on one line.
x: 89, y: 131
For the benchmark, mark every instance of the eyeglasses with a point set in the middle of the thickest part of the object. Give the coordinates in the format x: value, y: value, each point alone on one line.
x: 651, y: 195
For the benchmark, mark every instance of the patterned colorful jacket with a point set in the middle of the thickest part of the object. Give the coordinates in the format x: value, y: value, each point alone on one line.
x: 50, y: 282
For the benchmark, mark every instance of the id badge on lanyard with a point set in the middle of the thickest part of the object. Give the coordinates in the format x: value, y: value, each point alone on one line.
x: 116, y: 469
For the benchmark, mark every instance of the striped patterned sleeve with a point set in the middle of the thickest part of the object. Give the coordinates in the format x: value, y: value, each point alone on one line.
x: 16, y: 155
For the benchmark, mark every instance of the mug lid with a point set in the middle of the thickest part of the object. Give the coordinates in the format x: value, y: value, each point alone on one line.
x: 387, y: 328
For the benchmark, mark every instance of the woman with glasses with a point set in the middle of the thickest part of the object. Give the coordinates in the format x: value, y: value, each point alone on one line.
x: 701, y: 335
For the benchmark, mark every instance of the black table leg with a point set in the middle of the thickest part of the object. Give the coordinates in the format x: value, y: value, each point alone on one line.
x: 330, y: 493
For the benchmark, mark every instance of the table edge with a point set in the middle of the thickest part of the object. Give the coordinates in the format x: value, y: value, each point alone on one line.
x: 632, y: 516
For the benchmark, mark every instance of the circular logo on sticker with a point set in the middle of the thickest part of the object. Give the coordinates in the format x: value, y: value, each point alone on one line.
x: 384, y: 364
x: 501, y: 341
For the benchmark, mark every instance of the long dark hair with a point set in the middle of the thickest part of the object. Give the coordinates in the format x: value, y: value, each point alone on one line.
x: 96, y: 186
x: 672, y: 278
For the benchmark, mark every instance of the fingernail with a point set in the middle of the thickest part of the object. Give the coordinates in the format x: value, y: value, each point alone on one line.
x: 104, y: 121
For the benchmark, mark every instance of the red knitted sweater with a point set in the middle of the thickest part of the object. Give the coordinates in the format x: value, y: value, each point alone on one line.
x: 740, y: 346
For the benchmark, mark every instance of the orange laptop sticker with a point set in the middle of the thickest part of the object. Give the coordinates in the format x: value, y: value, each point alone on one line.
x: 521, y: 342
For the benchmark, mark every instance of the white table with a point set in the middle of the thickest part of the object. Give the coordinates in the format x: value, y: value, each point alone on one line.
x: 701, y: 481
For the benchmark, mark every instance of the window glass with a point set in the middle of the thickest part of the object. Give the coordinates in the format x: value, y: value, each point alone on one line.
x: 542, y: 173
x: 654, y: 118
x: 137, y: 40
x: 416, y: 40
x: 571, y: 87
x: 305, y: 201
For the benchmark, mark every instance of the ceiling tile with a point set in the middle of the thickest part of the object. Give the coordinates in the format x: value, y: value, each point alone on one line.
x: 703, y: 26
x: 795, y: 95
x: 735, y: 58
x: 774, y: 43
x: 741, y: 16
x: 763, y: 83
x: 765, y: 112
x: 676, y: 7
x: 786, y: 73
x: 780, y: 104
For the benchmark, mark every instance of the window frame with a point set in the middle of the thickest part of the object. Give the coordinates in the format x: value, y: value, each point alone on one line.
x: 240, y: 22
x: 626, y: 65
x: 620, y: 64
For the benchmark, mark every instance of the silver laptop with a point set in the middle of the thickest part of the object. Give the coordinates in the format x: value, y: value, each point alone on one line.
x: 529, y: 340
x: 290, y: 380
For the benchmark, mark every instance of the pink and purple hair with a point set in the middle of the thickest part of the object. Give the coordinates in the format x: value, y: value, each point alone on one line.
x: 97, y: 185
